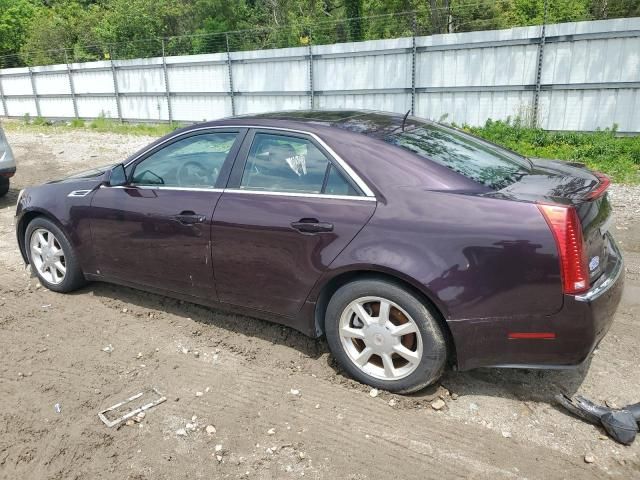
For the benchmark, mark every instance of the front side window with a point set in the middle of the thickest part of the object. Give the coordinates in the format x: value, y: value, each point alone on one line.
x: 482, y: 162
x: 193, y: 162
x: 279, y: 163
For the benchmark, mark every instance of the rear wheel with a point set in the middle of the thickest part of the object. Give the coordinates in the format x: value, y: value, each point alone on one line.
x: 385, y: 336
x: 51, y: 256
x: 4, y: 186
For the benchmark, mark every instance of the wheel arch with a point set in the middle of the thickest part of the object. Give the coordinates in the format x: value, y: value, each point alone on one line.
x: 26, y: 218
x: 331, y: 285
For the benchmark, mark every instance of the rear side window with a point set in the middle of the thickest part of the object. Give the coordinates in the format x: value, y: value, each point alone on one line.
x: 477, y: 160
x: 279, y: 163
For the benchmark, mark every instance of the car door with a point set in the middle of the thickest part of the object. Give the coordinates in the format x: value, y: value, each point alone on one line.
x: 289, y: 209
x: 155, y: 231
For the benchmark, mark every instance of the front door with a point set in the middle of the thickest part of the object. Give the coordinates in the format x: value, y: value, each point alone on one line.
x: 156, y: 230
x: 289, y: 210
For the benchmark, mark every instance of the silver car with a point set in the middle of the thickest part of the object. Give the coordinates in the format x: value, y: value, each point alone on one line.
x: 7, y: 163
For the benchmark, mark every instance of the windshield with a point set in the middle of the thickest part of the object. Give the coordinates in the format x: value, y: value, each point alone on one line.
x: 482, y: 162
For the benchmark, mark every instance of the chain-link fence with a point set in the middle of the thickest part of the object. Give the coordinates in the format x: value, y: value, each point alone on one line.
x: 453, y: 18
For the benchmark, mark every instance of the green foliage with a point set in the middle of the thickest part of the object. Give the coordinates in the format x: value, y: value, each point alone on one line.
x: 100, y: 124
x: 54, y: 31
x: 15, y: 18
x: 618, y: 157
x: 41, y: 121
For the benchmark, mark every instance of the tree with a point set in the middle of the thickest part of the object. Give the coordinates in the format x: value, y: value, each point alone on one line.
x: 64, y: 32
x: 15, y: 18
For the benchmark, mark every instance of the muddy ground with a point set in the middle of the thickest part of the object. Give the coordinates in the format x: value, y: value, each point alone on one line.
x: 501, y: 424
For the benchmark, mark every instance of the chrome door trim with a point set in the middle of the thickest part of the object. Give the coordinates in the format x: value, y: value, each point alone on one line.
x: 160, y: 187
x: 301, y: 194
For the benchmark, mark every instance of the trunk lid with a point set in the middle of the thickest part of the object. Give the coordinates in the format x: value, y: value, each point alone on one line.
x: 558, y: 182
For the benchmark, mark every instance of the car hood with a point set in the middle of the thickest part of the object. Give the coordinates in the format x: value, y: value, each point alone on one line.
x: 94, y: 173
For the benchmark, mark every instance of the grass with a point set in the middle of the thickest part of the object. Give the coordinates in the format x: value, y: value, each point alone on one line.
x: 100, y: 124
x: 618, y: 157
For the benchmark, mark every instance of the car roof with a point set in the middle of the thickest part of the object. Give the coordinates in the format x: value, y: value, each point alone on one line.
x: 368, y: 122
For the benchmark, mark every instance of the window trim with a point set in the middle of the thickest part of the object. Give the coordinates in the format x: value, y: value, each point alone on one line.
x: 243, y: 132
x: 235, y: 180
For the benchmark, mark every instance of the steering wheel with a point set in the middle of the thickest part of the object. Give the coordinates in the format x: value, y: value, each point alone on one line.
x: 193, y: 174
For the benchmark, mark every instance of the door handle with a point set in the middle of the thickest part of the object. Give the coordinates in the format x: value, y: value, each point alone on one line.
x: 312, y: 225
x: 189, y: 218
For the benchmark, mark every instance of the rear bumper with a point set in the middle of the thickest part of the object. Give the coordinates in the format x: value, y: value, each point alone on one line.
x: 7, y: 172
x: 577, y: 328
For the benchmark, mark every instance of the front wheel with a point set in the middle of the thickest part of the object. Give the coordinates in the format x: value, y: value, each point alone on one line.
x: 384, y: 336
x: 52, y: 257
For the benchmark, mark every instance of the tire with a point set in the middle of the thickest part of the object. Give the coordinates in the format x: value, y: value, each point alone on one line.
x: 4, y: 186
x: 423, y: 347
x: 38, y: 229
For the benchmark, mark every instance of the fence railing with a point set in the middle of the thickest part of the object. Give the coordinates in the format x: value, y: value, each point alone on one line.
x: 573, y: 76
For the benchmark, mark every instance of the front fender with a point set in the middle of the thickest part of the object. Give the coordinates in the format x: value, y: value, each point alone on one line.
x: 67, y: 212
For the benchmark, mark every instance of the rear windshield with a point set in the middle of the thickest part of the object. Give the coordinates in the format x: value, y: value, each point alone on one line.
x: 482, y: 162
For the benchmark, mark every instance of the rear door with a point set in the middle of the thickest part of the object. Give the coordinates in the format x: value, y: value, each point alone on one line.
x: 155, y: 231
x: 289, y: 209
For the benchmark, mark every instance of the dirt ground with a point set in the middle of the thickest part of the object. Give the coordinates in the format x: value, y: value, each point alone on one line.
x: 238, y: 373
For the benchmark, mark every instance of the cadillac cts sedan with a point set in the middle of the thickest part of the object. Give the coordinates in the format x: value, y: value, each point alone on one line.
x: 408, y: 244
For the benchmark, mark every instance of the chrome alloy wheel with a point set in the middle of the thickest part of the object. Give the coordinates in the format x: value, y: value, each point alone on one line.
x: 47, y: 256
x: 380, y: 338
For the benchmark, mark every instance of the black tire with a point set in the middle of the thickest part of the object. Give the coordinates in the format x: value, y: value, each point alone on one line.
x: 73, y: 278
x: 4, y: 186
x: 434, y: 346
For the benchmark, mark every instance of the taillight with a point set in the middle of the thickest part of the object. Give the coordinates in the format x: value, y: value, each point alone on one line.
x: 566, y: 229
x: 601, y: 188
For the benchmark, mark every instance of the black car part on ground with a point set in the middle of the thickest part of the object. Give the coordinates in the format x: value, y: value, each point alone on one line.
x: 620, y: 424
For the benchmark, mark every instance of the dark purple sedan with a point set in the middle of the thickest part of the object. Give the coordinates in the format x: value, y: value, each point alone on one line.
x: 409, y: 244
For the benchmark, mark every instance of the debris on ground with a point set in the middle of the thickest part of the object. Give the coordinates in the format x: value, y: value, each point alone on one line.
x: 620, y: 424
x: 159, y: 398
x: 588, y: 458
x: 438, y: 404
x: 373, y: 393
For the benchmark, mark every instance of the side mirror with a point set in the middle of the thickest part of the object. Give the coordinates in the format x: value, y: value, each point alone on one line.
x: 117, y: 176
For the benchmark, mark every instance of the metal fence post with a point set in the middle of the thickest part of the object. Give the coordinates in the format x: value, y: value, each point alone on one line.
x: 233, y: 102
x: 35, y: 93
x: 115, y: 85
x: 536, y: 96
x: 413, y: 64
x: 71, y: 86
x: 166, y: 83
x: 311, y: 90
x: 3, y: 99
